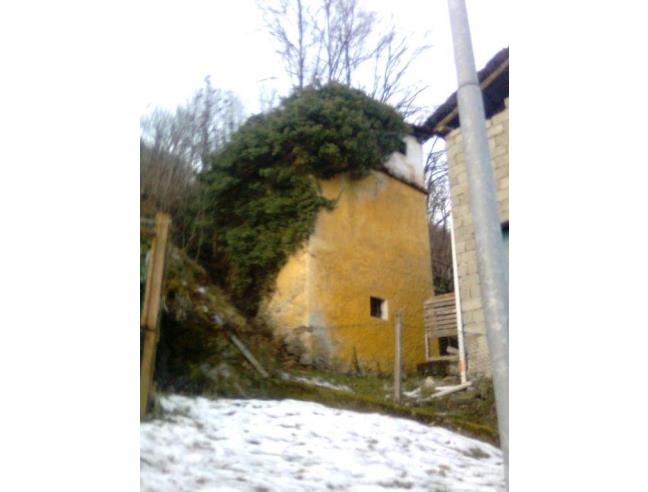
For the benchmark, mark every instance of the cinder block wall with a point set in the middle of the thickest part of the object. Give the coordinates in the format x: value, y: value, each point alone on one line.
x: 497, y: 128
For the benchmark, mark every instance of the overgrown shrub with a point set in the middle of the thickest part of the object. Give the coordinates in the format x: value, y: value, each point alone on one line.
x: 262, y: 193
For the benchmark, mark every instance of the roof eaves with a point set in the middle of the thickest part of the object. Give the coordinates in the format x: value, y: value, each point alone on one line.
x: 445, y: 117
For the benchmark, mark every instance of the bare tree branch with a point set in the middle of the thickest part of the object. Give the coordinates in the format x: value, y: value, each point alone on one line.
x: 337, y: 40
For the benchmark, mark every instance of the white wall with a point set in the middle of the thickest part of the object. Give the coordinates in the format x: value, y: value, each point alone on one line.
x: 408, y: 167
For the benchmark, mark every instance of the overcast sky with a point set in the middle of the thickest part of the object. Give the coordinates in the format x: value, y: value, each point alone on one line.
x: 185, y: 41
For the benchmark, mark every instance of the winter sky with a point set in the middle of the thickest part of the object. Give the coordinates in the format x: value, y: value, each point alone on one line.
x: 185, y: 41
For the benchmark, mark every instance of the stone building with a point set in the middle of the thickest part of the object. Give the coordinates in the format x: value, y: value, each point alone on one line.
x: 336, y: 300
x: 444, y: 122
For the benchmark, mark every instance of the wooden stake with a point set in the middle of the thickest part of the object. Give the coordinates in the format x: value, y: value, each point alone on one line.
x: 152, y: 304
x: 398, y: 328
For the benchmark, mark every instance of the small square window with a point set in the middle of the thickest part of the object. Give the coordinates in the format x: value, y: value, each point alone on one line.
x: 402, y: 147
x: 378, y: 308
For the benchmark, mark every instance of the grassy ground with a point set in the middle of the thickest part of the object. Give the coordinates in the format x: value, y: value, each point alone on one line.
x: 471, y: 412
x: 195, y: 356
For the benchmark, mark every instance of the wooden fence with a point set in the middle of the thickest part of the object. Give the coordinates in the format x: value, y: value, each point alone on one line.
x: 440, y: 320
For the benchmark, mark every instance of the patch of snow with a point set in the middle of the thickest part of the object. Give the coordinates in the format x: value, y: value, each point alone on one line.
x: 415, y: 393
x: 250, y: 445
x: 315, y: 382
x: 441, y: 388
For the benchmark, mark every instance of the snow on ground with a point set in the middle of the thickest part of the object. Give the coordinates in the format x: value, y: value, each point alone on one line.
x: 287, y: 445
x: 315, y: 382
x: 417, y: 395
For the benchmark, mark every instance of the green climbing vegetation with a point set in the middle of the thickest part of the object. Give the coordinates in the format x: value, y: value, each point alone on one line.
x: 261, y: 191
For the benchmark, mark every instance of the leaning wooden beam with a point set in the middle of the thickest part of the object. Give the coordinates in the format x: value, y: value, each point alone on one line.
x: 453, y: 389
x: 152, y: 304
x: 248, y: 355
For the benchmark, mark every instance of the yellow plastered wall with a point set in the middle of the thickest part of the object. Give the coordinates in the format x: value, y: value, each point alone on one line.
x: 374, y: 243
x: 287, y: 308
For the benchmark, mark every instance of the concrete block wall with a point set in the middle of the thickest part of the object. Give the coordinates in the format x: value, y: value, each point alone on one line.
x: 497, y: 128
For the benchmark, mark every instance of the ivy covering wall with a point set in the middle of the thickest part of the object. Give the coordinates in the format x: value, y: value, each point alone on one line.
x: 261, y: 190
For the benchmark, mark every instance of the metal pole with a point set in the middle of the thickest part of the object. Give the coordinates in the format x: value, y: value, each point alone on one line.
x: 457, y: 293
x: 483, y: 203
x: 398, y: 328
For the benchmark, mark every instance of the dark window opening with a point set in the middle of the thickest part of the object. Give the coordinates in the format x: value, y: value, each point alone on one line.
x: 378, y: 308
x: 402, y: 147
x: 448, y: 345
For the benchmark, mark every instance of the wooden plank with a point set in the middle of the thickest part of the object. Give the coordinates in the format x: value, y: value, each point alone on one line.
x: 444, y: 357
x: 152, y: 305
x: 444, y: 300
x: 248, y: 355
x: 452, y: 389
x: 441, y: 318
x: 443, y: 297
x: 443, y: 311
x: 445, y: 324
x: 445, y: 327
x: 446, y: 332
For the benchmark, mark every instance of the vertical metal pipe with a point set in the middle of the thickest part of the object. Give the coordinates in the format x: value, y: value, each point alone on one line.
x: 398, y: 364
x: 483, y: 204
x: 457, y: 292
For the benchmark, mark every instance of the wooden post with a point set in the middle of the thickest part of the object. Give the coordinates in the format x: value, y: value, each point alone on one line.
x: 398, y: 329
x: 152, y: 304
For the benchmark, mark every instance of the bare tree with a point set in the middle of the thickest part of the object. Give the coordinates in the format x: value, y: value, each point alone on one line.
x: 197, y: 128
x: 337, y: 40
x: 175, y: 147
x: 354, y: 31
x: 392, y: 59
x: 231, y: 116
x: 165, y: 177
x: 267, y: 98
x: 287, y: 21
x: 439, y: 207
x: 436, y: 177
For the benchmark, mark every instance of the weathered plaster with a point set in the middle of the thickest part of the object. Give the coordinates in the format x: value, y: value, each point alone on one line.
x: 374, y: 243
x: 408, y: 167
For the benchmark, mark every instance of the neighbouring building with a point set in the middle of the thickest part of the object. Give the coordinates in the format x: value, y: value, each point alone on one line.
x: 444, y: 122
x: 336, y: 300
